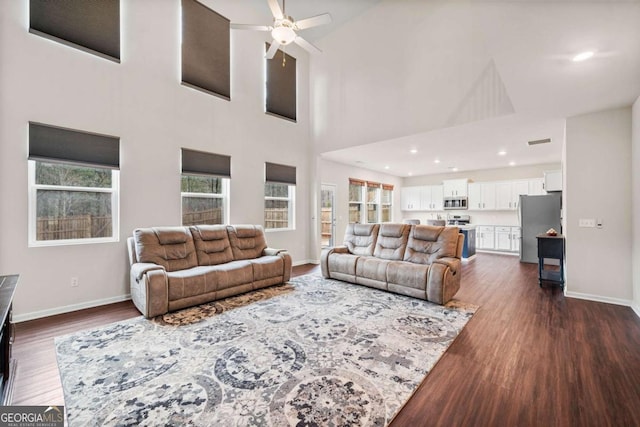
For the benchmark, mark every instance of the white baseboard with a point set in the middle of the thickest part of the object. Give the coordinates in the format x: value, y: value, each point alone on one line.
x: 306, y: 261
x: 68, y: 308
x: 600, y: 298
x: 636, y: 308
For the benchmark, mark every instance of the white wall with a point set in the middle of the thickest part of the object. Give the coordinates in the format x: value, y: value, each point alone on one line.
x: 635, y: 167
x: 598, y: 185
x: 141, y: 101
x: 509, y: 218
x: 338, y: 174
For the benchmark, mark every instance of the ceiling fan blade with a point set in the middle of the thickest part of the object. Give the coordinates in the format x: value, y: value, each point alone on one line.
x: 251, y: 27
x: 306, y: 45
x: 275, y: 9
x: 314, y: 21
x: 272, y: 50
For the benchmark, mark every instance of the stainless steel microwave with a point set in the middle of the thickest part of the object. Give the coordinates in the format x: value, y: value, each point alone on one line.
x: 455, y: 203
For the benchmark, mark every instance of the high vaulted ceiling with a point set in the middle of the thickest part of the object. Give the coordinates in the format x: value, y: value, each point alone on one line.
x: 461, y: 80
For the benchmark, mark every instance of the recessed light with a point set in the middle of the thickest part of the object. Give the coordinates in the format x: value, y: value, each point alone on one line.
x: 436, y: 161
x: 454, y: 169
x: 502, y: 153
x: 583, y: 56
x: 386, y: 167
x: 410, y: 173
x: 413, y: 151
x: 512, y: 163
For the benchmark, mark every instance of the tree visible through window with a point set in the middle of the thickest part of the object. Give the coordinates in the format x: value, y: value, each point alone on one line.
x: 72, y: 202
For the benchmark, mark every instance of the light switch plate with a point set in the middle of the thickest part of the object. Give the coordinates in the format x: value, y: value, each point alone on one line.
x: 587, y: 222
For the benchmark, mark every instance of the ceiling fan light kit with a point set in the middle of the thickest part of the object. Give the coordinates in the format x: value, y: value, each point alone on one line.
x: 284, y: 29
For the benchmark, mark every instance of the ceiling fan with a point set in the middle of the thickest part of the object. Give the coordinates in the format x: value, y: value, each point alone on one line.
x: 284, y: 28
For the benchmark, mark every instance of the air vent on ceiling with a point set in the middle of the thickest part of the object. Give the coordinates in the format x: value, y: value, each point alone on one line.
x: 539, y: 141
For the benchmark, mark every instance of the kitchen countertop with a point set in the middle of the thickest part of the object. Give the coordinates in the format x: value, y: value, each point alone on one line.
x: 463, y: 227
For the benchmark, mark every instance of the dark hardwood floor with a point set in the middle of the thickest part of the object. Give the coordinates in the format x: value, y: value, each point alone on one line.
x: 529, y: 356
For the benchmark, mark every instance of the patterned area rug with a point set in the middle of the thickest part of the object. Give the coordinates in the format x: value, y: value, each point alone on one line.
x: 311, y: 352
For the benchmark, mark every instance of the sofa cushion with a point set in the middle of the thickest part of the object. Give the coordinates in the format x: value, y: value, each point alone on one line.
x: 392, y: 241
x: 267, y: 267
x: 247, y: 241
x: 206, y: 279
x: 342, y: 264
x: 372, y: 268
x: 428, y: 243
x: 360, y: 239
x: 170, y: 247
x: 408, y: 275
x: 212, y: 244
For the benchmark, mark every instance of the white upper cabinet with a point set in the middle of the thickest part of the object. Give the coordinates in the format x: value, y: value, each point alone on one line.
x: 519, y: 188
x: 455, y: 187
x: 536, y: 187
x: 433, y: 199
x: 410, y: 198
x: 482, y: 196
x: 508, y: 194
x: 553, y: 181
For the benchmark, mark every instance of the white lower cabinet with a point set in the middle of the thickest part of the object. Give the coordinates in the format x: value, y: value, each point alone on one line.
x: 503, y: 238
x: 485, y: 237
x: 515, y: 239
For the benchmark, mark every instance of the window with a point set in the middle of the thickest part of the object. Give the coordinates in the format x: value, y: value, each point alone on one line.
x: 92, y: 26
x: 378, y: 199
x: 386, y: 203
x: 206, y: 52
x: 356, y: 187
x: 73, y: 186
x: 205, y: 187
x: 279, y: 197
x: 281, y: 86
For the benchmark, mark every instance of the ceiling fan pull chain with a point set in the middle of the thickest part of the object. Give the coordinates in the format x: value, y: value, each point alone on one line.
x: 284, y: 56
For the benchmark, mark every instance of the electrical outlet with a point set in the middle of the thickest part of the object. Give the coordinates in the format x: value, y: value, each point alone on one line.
x: 74, y: 282
x: 599, y: 223
x: 590, y: 222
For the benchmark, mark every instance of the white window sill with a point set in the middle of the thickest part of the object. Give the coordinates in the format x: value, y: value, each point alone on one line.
x: 270, y: 230
x: 72, y: 242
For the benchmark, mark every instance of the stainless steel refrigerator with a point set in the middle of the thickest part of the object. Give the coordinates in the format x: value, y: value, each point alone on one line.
x: 537, y: 214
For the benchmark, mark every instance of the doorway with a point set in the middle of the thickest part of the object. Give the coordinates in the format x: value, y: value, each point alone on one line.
x: 327, y: 215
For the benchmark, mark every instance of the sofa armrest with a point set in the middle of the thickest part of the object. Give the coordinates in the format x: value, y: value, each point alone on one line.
x: 149, y: 289
x: 324, y: 258
x: 272, y: 251
x: 452, y: 263
x: 139, y: 269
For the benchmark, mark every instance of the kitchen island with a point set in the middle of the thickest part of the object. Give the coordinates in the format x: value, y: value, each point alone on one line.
x: 469, y: 247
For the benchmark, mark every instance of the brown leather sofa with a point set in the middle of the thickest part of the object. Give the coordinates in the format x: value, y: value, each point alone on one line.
x: 178, y: 267
x: 421, y: 261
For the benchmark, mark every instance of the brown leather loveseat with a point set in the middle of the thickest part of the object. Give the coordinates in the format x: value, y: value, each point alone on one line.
x: 421, y: 261
x: 178, y: 267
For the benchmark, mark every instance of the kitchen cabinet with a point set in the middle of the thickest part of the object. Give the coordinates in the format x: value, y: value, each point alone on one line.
x: 508, y: 193
x: 536, y: 187
x: 503, y: 238
x: 422, y: 198
x: 482, y: 196
x: 553, y: 181
x: 410, y: 198
x: 485, y: 237
x: 515, y: 239
x: 455, y: 187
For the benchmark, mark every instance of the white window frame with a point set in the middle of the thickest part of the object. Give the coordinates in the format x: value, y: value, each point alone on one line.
x: 33, y: 208
x: 291, y: 205
x: 376, y: 202
x: 224, y: 196
x: 361, y: 202
x: 390, y: 204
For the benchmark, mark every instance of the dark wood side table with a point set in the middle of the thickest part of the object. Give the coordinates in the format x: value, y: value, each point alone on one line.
x: 550, y: 247
x: 7, y: 363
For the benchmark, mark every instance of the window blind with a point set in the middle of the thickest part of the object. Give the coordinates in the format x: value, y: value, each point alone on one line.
x: 281, y: 86
x: 206, y: 57
x: 56, y: 144
x: 280, y: 174
x: 203, y: 163
x: 353, y: 181
x: 92, y: 26
x: 387, y: 187
x: 372, y: 184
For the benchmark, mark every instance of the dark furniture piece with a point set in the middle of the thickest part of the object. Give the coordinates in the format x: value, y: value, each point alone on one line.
x: 469, y: 248
x: 7, y: 364
x: 550, y: 247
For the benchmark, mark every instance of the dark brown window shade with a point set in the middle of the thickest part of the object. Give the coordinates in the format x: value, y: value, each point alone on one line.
x: 281, y: 86
x: 203, y: 163
x: 387, y: 187
x: 206, y: 53
x: 55, y: 144
x: 90, y: 25
x: 280, y: 174
x: 354, y: 181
